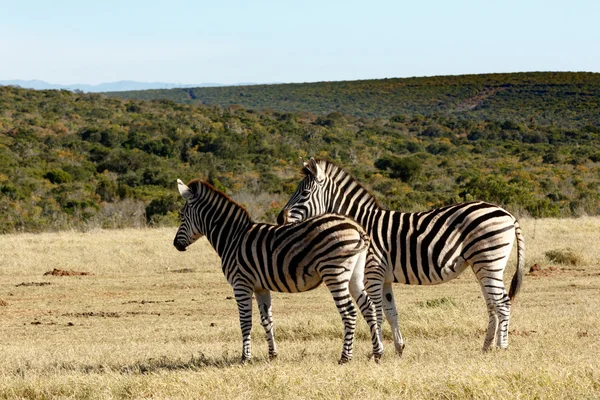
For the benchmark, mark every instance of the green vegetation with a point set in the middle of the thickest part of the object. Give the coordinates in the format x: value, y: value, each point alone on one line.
x: 564, y: 99
x: 72, y: 160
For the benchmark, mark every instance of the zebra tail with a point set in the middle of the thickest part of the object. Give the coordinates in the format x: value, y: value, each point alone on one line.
x: 517, y: 279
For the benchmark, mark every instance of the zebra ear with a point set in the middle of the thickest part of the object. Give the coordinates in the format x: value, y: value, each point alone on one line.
x: 316, y: 171
x: 185, y: 191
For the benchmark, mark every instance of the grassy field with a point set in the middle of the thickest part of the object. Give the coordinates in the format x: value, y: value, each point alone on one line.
x: 149, y: 321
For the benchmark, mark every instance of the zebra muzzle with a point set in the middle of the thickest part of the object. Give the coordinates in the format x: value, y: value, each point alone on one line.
x: 179, y: 245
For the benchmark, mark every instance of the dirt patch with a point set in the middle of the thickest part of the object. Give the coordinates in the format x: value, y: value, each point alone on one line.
x: 105, y: 314
x: 3, y: 303
x: 101, y: 314
x: 472, y: 103
x: 537, y: 270
x: 148, y: 301
x: 34, y: 284
x: 60, y: 272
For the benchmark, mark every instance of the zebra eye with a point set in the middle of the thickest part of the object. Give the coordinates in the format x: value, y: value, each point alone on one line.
x: 305, y: 192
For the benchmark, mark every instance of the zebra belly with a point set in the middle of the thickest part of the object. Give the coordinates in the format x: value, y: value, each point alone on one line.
x: 302, y: 281
x: 404, y: 269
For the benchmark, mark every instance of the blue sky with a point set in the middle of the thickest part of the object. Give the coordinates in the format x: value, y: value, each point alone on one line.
x: 229, y: 41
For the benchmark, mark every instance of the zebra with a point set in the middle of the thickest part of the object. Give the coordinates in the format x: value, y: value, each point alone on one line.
x: 423, y: 248
x: 257, y: 258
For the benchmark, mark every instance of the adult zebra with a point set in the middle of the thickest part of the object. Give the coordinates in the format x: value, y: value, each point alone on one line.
x: 259, y: 258
x: 423, y: 248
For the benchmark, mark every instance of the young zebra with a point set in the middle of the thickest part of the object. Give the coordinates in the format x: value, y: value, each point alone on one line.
x: 259, y: 258
x: 424, y: 248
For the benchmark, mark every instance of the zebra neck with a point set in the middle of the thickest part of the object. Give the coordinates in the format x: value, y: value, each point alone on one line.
x: 355, y: 201
x: 225, y: 223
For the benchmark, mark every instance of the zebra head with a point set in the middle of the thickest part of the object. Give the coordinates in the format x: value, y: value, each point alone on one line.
x: 309, y: 198
x: 189, y: 230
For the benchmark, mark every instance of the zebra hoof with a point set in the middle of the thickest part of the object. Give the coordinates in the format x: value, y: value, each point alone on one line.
x: 244, y: 360
x: 377, y: 357
x: 344, y: 360
x: 400, y: 349
x: 272, y: 356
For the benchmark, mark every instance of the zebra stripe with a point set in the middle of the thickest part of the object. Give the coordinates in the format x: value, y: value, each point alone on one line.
x: 423, y: 248
x: 260, y: 258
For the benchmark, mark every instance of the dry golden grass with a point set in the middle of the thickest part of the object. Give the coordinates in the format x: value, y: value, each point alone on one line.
x: 152, y: 322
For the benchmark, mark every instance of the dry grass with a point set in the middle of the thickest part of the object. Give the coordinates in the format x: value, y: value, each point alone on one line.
x: 152, y: 322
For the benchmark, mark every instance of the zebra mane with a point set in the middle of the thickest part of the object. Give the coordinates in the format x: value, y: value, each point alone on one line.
x: 195, y: 184
x: 338, y: 174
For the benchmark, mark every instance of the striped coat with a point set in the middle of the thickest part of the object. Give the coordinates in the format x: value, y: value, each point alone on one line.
x: 423, y: 248
x: 259, y: 258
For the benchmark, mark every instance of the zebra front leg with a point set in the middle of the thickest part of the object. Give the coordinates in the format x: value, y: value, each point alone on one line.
x: 243, y: 298
x: 263, y: 299
x: 366, y: 307
x: 391, y: 314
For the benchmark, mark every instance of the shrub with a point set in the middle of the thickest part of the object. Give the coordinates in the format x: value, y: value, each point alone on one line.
x: 564, y: 256
x: 58, y: 176
x: 406, y: 169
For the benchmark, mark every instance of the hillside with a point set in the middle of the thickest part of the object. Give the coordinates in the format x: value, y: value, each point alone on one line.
x: 563, y: 99
x: 70, y: 160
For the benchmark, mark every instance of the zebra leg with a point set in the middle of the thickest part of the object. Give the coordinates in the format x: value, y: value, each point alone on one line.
x: 366, y: 306
x: 391, y: 314
x: 263, y: 299
x: 338, y: 286
x: 243, y: 297
x: 491, y: 278
x: 374, y: 277
x: 503, y: 311
x: 498, y: 304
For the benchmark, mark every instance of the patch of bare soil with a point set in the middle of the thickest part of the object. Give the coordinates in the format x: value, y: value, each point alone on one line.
x: 105, y: 314
x: 101, y: 314
x: 477, y: 100
x: 537, y: 270
x: 148, y: 301
x: 34, y: 284
x: 60, y: 272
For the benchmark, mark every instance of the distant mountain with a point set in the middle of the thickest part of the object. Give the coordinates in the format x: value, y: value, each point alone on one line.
x: 103, y: 87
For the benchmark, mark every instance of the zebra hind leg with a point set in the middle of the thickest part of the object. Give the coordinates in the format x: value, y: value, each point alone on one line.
x: 391, y: 314
x: 498, y: 304
x: 337, y: 283
x: 373, y: 287
x: 263, y: 299
x: 366, y: 306
x: 243, y: 298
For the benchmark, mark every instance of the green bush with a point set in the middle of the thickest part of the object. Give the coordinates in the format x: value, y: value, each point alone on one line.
x: 406, y: 169
x: 58, y: 176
